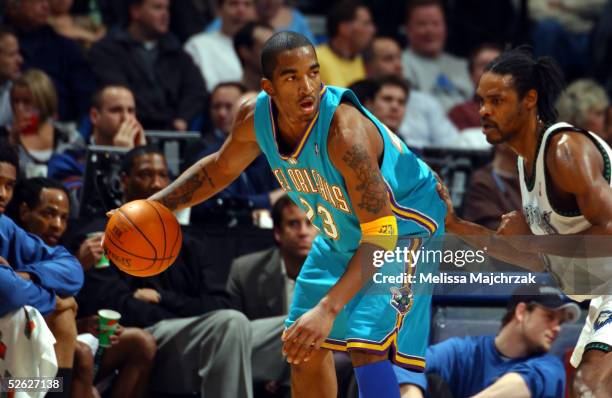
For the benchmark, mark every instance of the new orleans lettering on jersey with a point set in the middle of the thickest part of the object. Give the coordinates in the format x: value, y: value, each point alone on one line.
x: 309, y: 177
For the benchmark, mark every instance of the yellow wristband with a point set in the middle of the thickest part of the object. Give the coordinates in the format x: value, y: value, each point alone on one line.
x: 380, y: 232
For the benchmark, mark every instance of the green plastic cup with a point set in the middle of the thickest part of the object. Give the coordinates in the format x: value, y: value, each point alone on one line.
x: 109, y: 320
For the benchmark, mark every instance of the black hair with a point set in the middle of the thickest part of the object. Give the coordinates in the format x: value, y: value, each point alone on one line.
x: 278, y: 43
x: 367, y: 89
x: 6, y: 31
x: 392, y: 80
x: 542, y: 75
x: 481, y: 47
x: 244, y: 37
x: 344, y: 11
x: 8, y: 154
x: 277, y: 210
x: 241, y: 87
x: 28, y: 191
x: 128, y: 160
x: 364, y: 89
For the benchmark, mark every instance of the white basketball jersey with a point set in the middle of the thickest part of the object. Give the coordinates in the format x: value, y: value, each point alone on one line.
x: 544, y: 219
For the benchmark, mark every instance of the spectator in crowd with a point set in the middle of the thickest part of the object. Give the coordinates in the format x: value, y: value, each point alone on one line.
x: 213, y: 52
x: 60, y: 57
x: 493, y: 190
x: 202, y: 345
x: 41, y: 206
x: 10, y: 69
x: 562, y: 29
x: 255, y: 188
x: 149, y: 60
x: 114, y: 123
x: 584, y: 104
x: 350, y: 31
x: 32, y: 273
x: 81, y: 29
x: 466, y: 114
x: 187, y: 17
x: 34, y: 131
x: 513, y: 363
x: 388, y: 102
x: 426, y: 66
x: 261, y: 286
x: 283, y: 17
x: 424, y: 123
x: 248, y: 43
x: 278, y: 15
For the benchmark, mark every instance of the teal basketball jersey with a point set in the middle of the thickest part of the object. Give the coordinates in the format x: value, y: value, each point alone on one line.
x: 308, y: 176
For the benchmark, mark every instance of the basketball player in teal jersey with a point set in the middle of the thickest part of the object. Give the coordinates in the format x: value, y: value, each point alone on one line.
x: 356, y: 181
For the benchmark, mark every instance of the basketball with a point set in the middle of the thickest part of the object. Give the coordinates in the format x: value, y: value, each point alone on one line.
x: 142, y: 238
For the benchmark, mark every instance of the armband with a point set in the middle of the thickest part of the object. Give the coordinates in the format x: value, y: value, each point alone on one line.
x: 380, y: 232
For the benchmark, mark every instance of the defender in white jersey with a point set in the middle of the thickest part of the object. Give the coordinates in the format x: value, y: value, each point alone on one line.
x: 565, y: 188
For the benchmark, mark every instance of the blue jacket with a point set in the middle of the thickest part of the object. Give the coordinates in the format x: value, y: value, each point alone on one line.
x: 53, y: 270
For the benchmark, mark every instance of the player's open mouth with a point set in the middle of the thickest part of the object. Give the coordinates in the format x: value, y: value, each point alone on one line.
x: 307, y: 105
x: 488, y: 127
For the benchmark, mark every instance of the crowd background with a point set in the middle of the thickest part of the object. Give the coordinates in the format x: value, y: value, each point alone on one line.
x: 82, y: 82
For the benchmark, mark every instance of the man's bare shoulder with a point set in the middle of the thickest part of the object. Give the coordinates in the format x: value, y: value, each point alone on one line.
x: 349, y: 124
x: 572, y: 157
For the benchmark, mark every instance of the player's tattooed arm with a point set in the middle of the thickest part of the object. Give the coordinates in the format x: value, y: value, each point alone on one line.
x: 369, y: 179
x: 216, y: 171
x: 187, y: 184
x: 355, y: 147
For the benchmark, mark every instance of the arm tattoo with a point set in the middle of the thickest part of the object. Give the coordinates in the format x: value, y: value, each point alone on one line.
x: 371, y: 184
x: 185, y: 188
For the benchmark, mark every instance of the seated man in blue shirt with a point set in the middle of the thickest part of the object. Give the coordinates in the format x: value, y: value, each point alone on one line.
x: 513, y: 364
x: 32, y: 273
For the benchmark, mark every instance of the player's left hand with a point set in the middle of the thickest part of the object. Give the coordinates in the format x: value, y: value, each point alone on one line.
x: 307, y: 334
x: 515, y: 228
x: 514, y: 223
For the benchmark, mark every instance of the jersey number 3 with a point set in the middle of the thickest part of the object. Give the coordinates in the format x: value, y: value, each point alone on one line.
x: 327, y: 220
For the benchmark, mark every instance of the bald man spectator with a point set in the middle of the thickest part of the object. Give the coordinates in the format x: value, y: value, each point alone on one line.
x: 350, y: 30
x: 426, y: 66
x: 149, y: 60
x: 59, y: 57
x: 114, y: 122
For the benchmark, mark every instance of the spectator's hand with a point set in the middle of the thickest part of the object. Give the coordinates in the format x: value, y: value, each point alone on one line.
x: 179, y: 125
x: 130, y: 134
x: 66, y: 303
x: 114, y: 339
x: 147, y: 295
x: 90, y: 252
x: 307, y: 334
x: 3, y: 262
x: 89, y: 324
